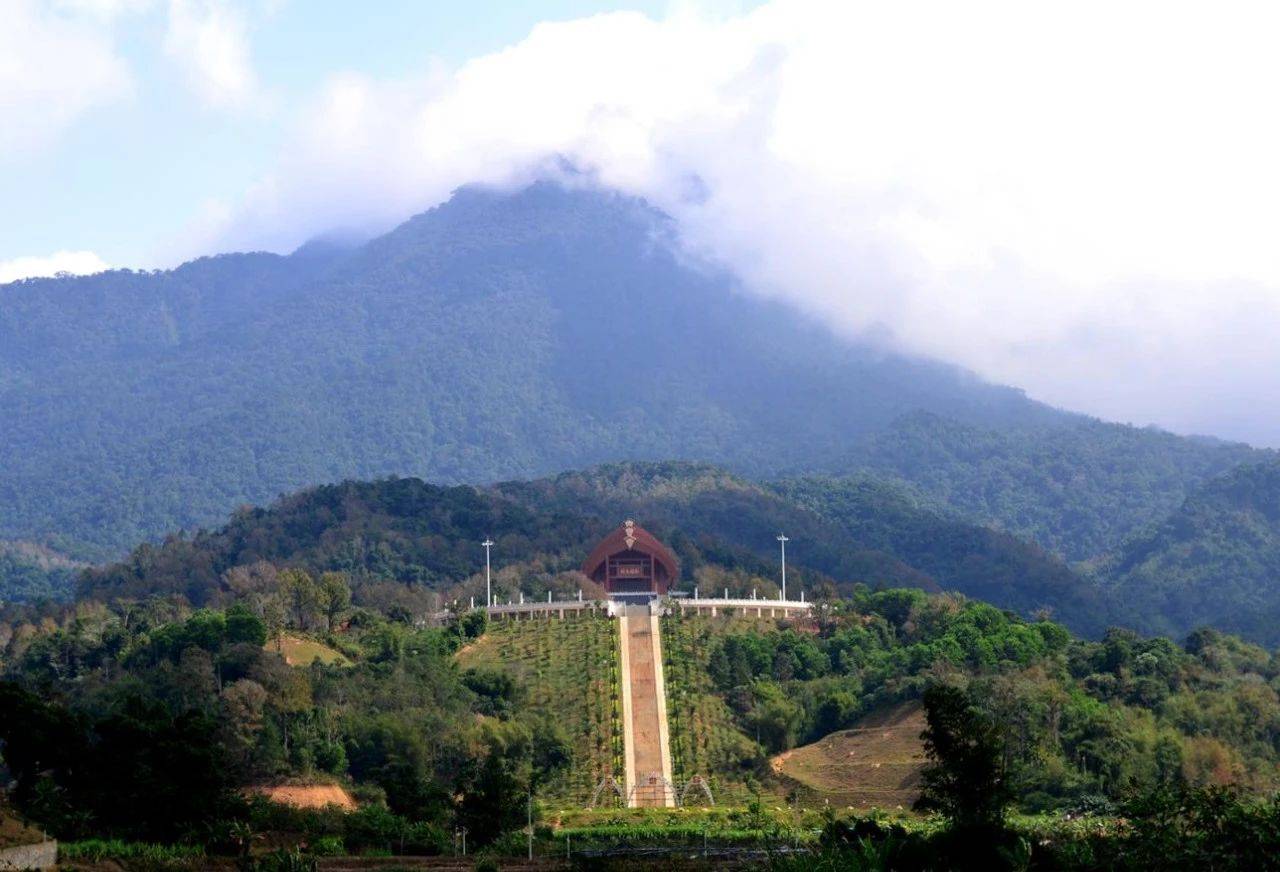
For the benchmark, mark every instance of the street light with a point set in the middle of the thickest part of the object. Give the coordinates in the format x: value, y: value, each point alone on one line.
x: 783, y: 540
x: 488, y: 588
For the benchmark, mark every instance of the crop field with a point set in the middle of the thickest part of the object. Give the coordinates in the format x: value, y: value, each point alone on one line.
x: 568, y: 668
x: 704, y: 738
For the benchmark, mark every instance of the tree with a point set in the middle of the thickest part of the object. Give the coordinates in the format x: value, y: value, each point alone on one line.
x: 240, y: 720
x: 245, y: 626
x: 835, y: 708
x: 966, y: 779
x: 777, y: 719
x: 334, y: 595
x: 137, y: 772
x: 301, y: 595
x: 473, y: 624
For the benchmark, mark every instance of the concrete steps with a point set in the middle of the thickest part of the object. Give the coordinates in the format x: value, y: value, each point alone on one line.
x: 644, y: 710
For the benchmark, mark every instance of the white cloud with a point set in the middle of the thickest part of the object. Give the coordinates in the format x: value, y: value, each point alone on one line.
x: 53, y: 69
x: 209, y: 40
x: 74, y: 262
x: 1078, y: 199
x: 104, y: 10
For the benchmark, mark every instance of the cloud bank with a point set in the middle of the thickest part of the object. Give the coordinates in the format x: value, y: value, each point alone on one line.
x: 73, y: 262
x: 208, y: 40
x: 1077, y: 199
x: 53, y: 69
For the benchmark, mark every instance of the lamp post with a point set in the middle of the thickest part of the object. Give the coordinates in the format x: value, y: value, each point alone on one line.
x: 783, y: 540
x: 488, y: 587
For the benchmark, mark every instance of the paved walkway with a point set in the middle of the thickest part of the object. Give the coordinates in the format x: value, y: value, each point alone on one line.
x: 645, y: 710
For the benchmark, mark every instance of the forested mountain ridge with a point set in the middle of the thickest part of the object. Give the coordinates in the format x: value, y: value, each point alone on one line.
x: 407, y: 532
x: 1079, y: 487
x: 851, y: 529
x: 500, y: 335
x: 1215, y: 560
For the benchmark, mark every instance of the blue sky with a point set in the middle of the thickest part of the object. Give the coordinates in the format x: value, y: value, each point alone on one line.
x: 122, y: 175
x: 1077, y: 199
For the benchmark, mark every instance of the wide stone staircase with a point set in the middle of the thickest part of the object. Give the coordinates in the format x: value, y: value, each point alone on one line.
x: 644, y: 709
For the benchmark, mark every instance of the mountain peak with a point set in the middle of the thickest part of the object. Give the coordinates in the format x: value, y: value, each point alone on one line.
x: 506, y: 333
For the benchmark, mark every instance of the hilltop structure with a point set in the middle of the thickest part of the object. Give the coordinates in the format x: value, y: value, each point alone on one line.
x: 638, y: 573
x: 631, y: 563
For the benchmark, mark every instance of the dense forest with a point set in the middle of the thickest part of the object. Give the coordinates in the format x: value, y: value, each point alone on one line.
x: 853, y: 530
x: 1079, y: 489
x: 1216, y: 561
x: 426, y: 536
x: 30, y: 572
x: 507, y: 335
x: 141, y: 722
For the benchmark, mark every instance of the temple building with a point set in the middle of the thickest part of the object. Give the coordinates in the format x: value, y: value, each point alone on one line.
x: 630, y: 563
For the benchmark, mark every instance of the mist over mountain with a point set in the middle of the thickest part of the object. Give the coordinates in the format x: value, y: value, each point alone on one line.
x: 508, y: 335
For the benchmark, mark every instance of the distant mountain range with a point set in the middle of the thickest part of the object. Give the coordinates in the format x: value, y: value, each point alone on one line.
x: 516, y: 335
x: 498, y: 336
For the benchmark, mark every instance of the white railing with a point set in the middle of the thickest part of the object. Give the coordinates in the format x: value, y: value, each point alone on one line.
x: 742, y: 603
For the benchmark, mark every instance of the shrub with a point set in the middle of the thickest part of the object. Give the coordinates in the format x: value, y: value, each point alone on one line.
x: 328, y: 846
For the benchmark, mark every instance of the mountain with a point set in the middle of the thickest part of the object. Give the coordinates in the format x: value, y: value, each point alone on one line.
x: 1214, y: 561
x: 424, y: 535
x: 1078, y: 486
x: 506, y: 335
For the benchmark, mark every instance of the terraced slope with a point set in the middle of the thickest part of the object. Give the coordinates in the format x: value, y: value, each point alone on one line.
x: 568, y: 668
x: 704, y: 738
x: 876, y: 763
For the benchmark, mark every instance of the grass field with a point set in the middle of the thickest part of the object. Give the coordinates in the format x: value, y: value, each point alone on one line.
x: 299, y: 651
x: 704, y: 738
x: 570, y: 669
x: 876, y: 763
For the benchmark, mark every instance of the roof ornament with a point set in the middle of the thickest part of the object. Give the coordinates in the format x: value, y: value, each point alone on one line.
x: 630, y: 535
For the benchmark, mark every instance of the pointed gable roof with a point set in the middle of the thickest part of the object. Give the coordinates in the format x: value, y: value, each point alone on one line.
x: 630, y: 536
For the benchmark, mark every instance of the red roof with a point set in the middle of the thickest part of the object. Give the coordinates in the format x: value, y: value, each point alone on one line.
x: 640, y: 540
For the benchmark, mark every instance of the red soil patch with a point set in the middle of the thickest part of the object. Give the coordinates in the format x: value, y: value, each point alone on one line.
x: 307, y: 795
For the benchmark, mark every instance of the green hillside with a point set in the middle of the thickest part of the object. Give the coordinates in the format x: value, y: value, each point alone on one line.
x: 1079, y: 489
x: 568, y: 669
x: 706, y: 738
x: 1084, y: 718
x: 850, y: 530
x: 1077, y: 718
x: 506, y: 335
x: 452, y: 725
x: 1214, y: 561
x: 721, y: 527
